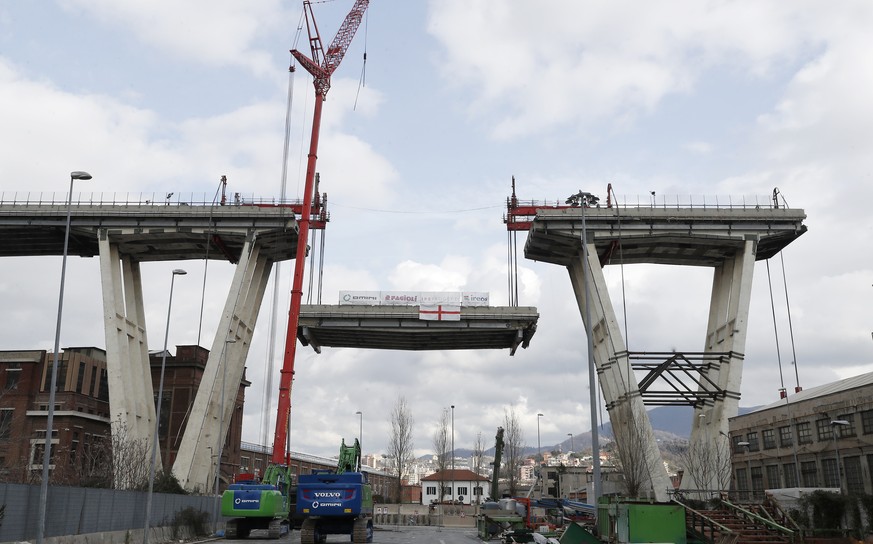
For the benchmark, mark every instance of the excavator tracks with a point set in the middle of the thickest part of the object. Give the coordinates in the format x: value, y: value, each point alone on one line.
x: 362, y: 531
x: 309, y: 533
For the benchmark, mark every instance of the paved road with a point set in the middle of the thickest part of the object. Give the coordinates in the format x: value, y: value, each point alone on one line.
x: 392, y: 535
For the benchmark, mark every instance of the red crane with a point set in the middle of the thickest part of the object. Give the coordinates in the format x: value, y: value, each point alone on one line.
x: 321, y: 66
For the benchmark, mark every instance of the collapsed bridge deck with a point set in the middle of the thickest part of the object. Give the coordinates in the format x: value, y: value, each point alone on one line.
x: 400, y: 328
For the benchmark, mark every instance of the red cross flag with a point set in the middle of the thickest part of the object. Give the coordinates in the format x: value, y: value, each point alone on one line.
x: 439, y: 312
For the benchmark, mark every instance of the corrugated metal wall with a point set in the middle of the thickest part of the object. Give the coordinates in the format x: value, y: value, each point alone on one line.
x: 80, y: 510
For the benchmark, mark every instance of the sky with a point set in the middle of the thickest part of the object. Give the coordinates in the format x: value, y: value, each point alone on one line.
x: 693, y: 99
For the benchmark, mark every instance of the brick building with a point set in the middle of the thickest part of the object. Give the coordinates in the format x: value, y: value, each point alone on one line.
x: 81, y: 426
x: 81, y: 417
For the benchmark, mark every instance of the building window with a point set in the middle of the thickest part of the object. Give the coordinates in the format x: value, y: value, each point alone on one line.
x: 477, y: 491
x: 757, y: 480
x: 823, y: 427
x: 61, y: 381
x: 829, y: 468
x: 752, y: 439
x: 103, y: 393
x: 80, y: 378
x: 804, y: 433
x: 91, y: 388
x: 74, y: 447
x: 844, y: 431
x: 773, y: 477
x: 808, y: 473
x: 742, y: 479
x: 790, y: 472
x: 431, y: 490
x: 769, y: 436
x: 462, y: 491
x: 867, y: 421
x: 854, y: 478
x: 735, y: 443
x: 6, y: 422
x: 447, y: 491
x: 785, y: 438
x: 244, y: 463
x: 12, y: 377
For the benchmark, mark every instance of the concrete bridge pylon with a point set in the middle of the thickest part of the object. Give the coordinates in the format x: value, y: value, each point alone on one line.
x: 125, y: 234
x: 130, y: 383
x: 728, y: 239
x: 206, y: 429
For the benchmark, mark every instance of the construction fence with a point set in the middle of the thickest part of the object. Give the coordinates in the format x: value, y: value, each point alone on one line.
x: 83, y: 510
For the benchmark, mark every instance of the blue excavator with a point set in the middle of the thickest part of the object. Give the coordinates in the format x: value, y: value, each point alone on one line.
x: 336, y: 502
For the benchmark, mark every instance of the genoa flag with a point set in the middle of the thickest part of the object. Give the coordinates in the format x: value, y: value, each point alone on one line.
x: 439, y: 312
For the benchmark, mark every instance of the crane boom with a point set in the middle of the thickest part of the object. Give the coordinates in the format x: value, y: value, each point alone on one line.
x: 321, y: 67
x: 498, y: 455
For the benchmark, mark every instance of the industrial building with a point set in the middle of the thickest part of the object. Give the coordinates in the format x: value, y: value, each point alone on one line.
x: 821, y: 437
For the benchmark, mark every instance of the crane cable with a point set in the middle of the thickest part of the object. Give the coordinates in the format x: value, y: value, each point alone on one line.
x: 362, y: 82
x: 283, y: 182
x: 790, y: 327
x: 775, y: 328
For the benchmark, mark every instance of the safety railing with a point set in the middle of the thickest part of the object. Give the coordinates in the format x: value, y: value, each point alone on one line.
x: 135, y: 199
x: 665, y: 202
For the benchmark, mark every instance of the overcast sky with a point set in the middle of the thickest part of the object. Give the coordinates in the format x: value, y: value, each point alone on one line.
x: 711, y: 99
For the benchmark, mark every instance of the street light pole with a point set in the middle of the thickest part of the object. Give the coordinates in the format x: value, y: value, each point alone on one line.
x: 584, y: 200
x: 453, y: 454
x: 46, y: 454
x: 834, y: 424
x: 745, y: 445
x: 540, y: 470
x: 176, y: 272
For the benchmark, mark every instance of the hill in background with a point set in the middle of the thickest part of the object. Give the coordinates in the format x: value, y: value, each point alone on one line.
x: 670, y: 423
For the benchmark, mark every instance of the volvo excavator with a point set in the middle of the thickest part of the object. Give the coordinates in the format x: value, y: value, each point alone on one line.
x: 336, y: 502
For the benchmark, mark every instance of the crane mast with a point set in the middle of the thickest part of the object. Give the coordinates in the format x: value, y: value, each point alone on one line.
x: 321, y: 66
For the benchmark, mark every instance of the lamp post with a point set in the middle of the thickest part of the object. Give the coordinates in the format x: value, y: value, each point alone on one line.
x: 46, y: 454
x: 453, y: 454
x: 745, y: 445
x: 540, y: 468
x: 584, y: 200
x: 219, y: 441
x: 176, y: 272
x: 834, y: 424
x: 360, y: 415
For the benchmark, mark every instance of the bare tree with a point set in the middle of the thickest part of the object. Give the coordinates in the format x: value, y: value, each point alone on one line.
x: 116, y: 460
x: 513, y: 440
x: 478, y: 454
x: 631, y: 442
x: 441, y: 449
x: 708, y: 465
x: 478, y: 460
x: 400, y: 446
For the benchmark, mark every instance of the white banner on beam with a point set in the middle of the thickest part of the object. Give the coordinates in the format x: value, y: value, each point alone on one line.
x: 414, y: 298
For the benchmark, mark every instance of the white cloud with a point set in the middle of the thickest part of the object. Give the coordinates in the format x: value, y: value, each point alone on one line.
x: 220, y: 32
x: 538, y: 66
